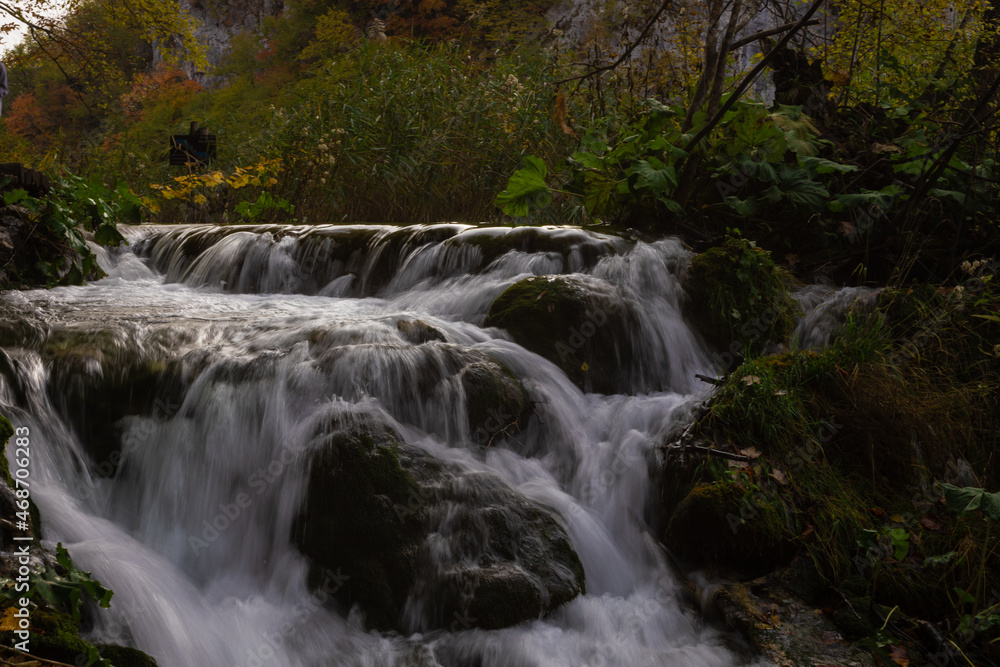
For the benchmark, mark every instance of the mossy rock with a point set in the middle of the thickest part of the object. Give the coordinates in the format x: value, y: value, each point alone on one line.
x: 99, y: 376
x: 739, y: 298
x: 496, y: 401
x: 55, y: 636
x: 715, y: 526
x: 124, y: 656
x: 580, y: 324
x: 374, y: 510
x: 19, y: 327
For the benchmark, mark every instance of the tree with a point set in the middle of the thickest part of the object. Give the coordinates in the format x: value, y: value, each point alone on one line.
x: 76, y: 66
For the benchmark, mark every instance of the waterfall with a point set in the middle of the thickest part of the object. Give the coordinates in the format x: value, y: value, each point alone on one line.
x: 175, y: 406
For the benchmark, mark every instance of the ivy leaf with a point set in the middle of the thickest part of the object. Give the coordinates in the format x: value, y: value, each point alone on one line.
x: 526, y: 190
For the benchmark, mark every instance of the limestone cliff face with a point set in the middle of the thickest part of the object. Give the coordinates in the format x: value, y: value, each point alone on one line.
x: 218, y: 21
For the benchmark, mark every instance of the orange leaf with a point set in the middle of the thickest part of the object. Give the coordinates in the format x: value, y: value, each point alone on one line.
x: 899, y: 655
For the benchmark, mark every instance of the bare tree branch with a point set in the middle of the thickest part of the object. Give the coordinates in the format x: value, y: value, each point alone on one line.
x: 751, y: 77
x: 628, y: 51
x: 767, y: 33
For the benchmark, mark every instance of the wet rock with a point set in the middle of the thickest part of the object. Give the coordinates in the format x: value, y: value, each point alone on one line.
x: 781, y: 628
x: 496, y: 401
x: 99, y: 376
x: 418, y: 332
x: 581, y: 324
x: 419, y: 544
x: 123, y: 656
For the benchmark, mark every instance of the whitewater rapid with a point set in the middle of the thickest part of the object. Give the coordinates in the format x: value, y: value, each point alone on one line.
x: 187, y: 514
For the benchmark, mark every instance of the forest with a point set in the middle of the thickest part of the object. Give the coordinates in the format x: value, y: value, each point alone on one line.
x: 784, y: 211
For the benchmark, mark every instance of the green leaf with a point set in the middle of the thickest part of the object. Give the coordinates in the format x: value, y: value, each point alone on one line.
x: 526, y: 190
x: 594, y: 143
x: 745, y: 207
x: 653, y: 175
x: 15, y: 196
x: 964, y: 499
x: 900, y: 542
x: 964, y: 596
x: 588, y: 160
x: 822, y: 166
x: 957, y: 197
x: 943, y: 559
x: 868, y: 539
x: 108, y: 234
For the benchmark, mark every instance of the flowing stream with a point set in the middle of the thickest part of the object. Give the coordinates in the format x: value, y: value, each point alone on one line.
x: 244, y: 338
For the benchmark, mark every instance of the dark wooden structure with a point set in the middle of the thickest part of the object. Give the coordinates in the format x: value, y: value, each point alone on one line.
x: 195, y: 148
x: 35, y: 183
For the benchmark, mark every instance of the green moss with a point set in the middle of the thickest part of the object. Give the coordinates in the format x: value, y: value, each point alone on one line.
x: 860, y: 432
x: 715, y: 525
x: 536, y: 311
x: 739, y: 297
x: 55, y: 636
x: 582, y: 327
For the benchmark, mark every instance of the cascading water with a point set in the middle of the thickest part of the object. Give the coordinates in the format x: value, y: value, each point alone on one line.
x: 221, y: 351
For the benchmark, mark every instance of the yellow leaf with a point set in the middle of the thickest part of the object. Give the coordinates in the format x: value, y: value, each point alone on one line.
x: 8, y: 623
x: 750, y: 379
x: 212, y: 179
x: 584, y: 367
x: 200, y: 199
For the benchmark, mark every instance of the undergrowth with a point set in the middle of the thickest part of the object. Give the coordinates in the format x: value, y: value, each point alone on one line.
x: 859, y: 447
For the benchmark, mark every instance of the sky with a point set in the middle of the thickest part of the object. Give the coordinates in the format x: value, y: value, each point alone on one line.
x: 13, y: 38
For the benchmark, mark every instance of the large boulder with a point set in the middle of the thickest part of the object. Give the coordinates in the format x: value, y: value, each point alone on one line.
x: 581, y: 324
x: 419, y: 544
